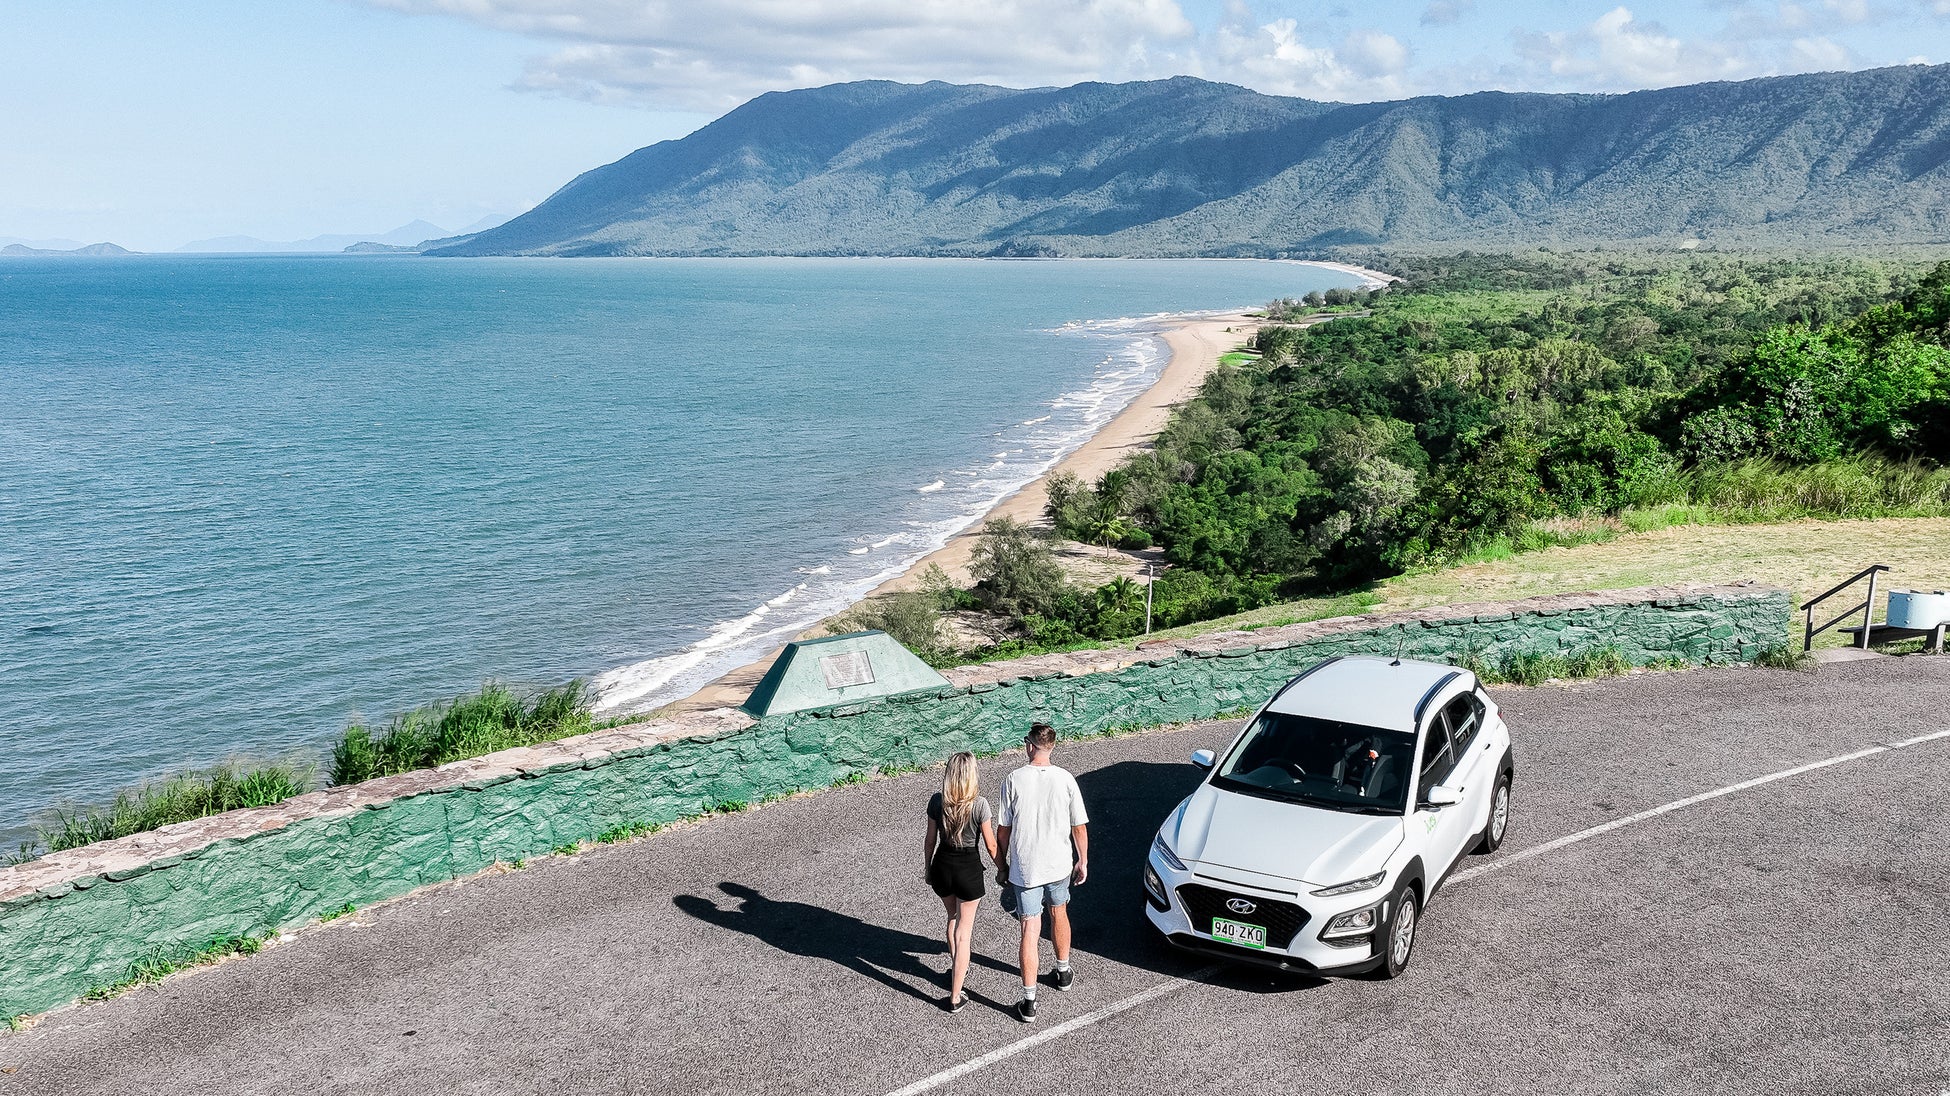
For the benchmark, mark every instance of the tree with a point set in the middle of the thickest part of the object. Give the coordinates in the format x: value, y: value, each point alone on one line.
x: 1015, y: 572
x: 1119, y: 595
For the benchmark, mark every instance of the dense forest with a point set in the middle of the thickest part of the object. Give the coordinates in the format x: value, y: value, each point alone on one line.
x: 1489, y: 402
x: 1194, y: 168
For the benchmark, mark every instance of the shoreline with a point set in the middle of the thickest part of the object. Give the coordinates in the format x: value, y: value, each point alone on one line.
x: 1195, y: 342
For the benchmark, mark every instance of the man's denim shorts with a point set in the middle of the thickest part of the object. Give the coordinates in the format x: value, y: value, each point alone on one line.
x: 1031, y: 900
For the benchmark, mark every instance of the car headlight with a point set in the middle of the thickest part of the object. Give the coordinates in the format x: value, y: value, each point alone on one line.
x: 1165, y: 853
x: 1156, y: 887
x: 1366, y: 882
x: 1353, y: 923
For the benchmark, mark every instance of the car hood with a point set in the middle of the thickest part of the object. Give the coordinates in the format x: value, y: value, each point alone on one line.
x: 1319, y: 847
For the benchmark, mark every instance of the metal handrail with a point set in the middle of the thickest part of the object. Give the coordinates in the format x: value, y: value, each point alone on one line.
x: 1866, y: 608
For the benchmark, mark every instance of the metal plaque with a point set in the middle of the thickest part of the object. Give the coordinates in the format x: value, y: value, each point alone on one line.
x: 848, y: 668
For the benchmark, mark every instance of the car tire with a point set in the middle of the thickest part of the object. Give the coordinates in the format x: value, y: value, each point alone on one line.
x: 1398, y: 941
x: 1497, y: 826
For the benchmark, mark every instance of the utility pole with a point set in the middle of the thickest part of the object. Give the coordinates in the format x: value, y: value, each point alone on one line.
x: 1147, y: 599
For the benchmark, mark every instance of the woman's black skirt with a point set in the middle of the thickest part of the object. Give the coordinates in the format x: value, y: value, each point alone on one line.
x: 957, y: 872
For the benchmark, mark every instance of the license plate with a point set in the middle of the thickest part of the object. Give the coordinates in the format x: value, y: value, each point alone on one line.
x: 1238, y: 932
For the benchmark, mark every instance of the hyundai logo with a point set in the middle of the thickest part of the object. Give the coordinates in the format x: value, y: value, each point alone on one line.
x: 1240, y: 905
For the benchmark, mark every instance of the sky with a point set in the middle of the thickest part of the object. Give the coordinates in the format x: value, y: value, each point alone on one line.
x: 152, y: 124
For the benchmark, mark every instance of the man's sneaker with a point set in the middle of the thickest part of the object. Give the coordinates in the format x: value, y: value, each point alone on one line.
x: 955, y: 1004
x: 1063, y: 978
x: 1026, y: 1010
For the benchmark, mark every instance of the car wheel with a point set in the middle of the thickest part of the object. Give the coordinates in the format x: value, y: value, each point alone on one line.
x: 1398, y: 942
x: 1499, y: 822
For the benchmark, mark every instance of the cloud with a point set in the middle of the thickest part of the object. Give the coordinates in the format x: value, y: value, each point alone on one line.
x: 1618, y: 52
x: 1821, y: 55
x: 712, y: 54
x: 1278, y: 58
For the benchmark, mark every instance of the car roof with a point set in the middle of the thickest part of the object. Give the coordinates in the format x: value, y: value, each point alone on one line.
x: 1365, y: 689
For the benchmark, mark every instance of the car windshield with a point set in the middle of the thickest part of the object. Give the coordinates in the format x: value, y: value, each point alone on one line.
x: 1322, y: 763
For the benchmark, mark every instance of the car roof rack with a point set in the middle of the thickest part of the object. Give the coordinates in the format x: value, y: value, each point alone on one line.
x: 1430, y: 695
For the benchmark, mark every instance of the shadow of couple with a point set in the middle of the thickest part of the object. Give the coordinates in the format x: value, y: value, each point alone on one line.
x: 890, y: 956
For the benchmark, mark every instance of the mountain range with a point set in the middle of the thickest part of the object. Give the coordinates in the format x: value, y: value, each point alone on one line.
x: 406, y: 237
x: 88, y: 251
x: 1190, y: 167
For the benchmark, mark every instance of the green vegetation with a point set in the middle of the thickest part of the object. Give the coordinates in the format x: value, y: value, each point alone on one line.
x: 627, y: 831
x: 1492, y: 405
x: 495, y: 718
x: 346, y: 910
x: 164, y: 962
x: 913, y: 617
x: 179, y: 798
x: 1487, y: 406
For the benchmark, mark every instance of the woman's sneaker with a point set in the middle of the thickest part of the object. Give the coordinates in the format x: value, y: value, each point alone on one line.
x: 1026, y: 1010
x: 955, y: 1004
x: 1063, y: 978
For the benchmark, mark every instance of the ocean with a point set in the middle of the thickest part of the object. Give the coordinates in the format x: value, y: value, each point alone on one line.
x: 245, y: 500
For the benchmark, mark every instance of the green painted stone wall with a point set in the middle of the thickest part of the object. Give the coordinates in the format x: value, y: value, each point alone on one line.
x: 80, y: 933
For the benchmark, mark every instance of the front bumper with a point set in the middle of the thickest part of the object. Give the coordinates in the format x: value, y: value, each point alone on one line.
x: 1305, y: 952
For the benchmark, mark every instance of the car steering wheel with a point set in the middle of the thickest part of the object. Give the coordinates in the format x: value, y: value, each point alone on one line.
x: 1291, y: 766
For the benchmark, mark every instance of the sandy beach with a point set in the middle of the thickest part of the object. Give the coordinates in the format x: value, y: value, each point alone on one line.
x: 1196, y: 344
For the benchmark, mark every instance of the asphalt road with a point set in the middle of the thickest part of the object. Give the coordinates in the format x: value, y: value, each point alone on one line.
x: 1789, y: 937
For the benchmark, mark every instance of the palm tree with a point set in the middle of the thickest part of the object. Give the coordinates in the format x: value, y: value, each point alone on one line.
x: 1106, y: 525
x: 1119, y: 595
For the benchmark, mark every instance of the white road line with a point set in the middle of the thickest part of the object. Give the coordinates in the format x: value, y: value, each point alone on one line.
x: 1677, y: 804
x: 1057, y: 1032
x: 927, y: 1084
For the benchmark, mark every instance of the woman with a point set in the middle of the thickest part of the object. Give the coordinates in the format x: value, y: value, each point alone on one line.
x: 959, y: 825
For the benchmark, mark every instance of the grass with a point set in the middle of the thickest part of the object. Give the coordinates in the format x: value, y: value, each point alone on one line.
x: 495, y: 718
x: 1785, y: 657
x: 857, y: 776
x: 346, y: 910
x: 627, y: 831
x: 179, y: 798
x: 1806, y: 557
x: 163, y: 962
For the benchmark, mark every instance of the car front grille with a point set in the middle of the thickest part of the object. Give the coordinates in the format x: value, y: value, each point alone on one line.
x: 1283, y: 920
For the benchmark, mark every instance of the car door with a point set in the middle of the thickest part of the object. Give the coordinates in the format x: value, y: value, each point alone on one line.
x: 1444, y: 828
x: 1475, y: 770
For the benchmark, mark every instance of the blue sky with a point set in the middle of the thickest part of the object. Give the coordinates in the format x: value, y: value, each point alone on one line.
x: 153, y: 124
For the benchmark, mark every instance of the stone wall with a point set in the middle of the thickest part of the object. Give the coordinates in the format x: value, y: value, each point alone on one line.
x: 75, y: 921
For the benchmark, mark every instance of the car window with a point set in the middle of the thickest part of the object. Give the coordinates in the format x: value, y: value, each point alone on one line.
x: 1465, y: 720
x: 1321, y: 763
x: 1437, y: 759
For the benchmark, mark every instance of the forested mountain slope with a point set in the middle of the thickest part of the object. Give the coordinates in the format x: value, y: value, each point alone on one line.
x: 1189, y: 167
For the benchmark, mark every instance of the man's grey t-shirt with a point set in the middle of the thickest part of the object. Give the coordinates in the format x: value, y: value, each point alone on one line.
x: 1039, y: 805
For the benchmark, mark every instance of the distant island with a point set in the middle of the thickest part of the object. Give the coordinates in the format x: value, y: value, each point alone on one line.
x: 89, y: 251
x: 406, y: 238
x: 1186, y: 167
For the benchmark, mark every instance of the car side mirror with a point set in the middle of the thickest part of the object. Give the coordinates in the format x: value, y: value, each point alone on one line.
x: 1202, y: 758
x: 1442, y: 795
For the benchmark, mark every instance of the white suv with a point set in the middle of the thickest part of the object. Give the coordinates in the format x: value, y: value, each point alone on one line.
x: 1318, y: 836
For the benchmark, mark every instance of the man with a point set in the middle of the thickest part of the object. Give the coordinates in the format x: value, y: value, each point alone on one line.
x: 1044, y: 848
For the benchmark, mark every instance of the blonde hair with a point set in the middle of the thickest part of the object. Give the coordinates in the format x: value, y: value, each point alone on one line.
x: 959, y: 786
